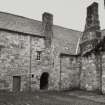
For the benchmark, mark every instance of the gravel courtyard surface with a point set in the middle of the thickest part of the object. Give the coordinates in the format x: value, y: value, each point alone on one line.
x: 43, y: 98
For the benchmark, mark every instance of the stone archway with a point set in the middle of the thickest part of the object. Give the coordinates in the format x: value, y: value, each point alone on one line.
x: 44, y: 80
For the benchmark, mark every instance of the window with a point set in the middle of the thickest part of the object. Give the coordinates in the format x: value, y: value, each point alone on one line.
x: 32, y: 75
x: 38, y: 55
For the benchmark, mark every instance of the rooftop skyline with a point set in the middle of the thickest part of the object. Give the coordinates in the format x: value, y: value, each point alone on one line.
x: 67, y: 13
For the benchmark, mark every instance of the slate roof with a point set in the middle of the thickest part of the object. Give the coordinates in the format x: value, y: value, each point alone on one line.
x: 19, y: 23
x: 26, y: 25
x: 68, y: 39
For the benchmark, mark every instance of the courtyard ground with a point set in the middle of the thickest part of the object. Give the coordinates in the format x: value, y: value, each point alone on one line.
x: 51, y: 98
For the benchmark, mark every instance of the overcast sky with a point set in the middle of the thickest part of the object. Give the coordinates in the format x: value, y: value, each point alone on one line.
x: 67, y: 13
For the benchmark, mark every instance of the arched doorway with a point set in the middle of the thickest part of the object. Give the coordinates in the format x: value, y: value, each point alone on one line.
x: 44, y: 80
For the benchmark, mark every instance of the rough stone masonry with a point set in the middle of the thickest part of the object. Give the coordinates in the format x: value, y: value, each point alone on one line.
x: 38, y: 55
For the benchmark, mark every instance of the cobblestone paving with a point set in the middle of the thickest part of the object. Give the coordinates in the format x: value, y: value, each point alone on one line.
x: 43, y: 98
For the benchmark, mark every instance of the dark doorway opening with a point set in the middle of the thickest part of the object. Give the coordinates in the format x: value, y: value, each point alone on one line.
x: 44, y: 80
x: 16, y: 83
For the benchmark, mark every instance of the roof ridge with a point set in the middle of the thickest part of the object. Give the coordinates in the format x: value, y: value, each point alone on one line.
x: 19, y: 16
x: 3, y: 12
x: 67, y: 28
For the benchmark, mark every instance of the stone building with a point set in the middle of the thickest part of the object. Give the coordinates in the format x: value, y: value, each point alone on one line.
x: 92, y: 54
x: 38, y: 55
x: 30, y: 53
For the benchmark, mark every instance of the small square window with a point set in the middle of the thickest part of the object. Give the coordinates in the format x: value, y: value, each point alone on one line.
x: 32, y: 75
x: 38, y: 55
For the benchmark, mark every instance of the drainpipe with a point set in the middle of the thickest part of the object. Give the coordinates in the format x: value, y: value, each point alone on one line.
x: 60, y: 74
x: 80, y: 70
x: 30, y: 66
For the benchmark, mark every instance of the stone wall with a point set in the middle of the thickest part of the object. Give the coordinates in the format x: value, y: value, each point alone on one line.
x: 55, y: 64
x: 70, y: 72
x: 103, y: 72
x: 89, y: 73
x: 38, y: 67
x: 16, y: 59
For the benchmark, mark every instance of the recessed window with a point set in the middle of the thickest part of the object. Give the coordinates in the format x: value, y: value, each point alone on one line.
x: 38, y: 55
x: 32, y: 75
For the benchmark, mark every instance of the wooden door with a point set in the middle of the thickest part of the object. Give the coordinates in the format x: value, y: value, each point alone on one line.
x: 16, y: 83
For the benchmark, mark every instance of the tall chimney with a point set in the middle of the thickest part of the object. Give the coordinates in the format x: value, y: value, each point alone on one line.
x: 92, y: 20
x: 92, y: 34
x: 47, y: 24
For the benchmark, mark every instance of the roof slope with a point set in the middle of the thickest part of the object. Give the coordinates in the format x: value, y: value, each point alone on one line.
x: 65, y: 37
x: 19, y: 23
x: 68, y: 39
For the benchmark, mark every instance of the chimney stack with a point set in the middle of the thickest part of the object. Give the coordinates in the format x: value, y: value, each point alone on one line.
x: 92, y: 20
x: 47, y: 24
x: 92, y: 34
